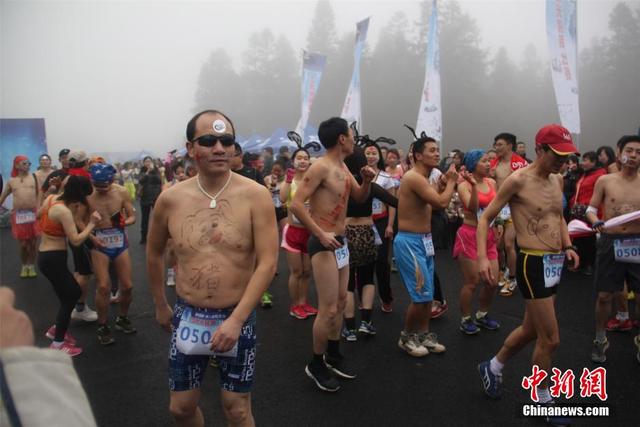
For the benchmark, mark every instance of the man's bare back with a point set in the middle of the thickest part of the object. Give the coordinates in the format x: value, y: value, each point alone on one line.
x: 214, y: 247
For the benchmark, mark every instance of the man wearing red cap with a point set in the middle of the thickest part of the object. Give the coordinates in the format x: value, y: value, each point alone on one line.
x: 24, y: 187
x: 507, y: 162
x: 535, y: 196
x: 618, y: 248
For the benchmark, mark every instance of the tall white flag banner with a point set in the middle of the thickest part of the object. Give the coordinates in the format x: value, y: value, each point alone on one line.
x: 430, y: 114
x: 312, y: 68
x: 351, y: 110
x: 563, y: 48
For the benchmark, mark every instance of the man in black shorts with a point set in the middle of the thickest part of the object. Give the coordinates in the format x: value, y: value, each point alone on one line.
x: 618, y: 248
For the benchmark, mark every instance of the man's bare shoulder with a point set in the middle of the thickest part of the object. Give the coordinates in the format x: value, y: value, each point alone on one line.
x: 178, y: 190
x: 518, y: 178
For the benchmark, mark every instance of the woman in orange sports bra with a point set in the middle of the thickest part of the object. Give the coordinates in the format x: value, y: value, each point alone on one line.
x: 476, y: 192
x: 56, y: 221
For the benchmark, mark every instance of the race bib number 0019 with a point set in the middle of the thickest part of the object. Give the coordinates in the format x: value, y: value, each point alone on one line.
x: 25, y: 216
x: 427, y: 241
x: 342, y: 255
x: 552, y: 267
x: 196, y: 330
x: 627, y: 250
x: 112, y: 238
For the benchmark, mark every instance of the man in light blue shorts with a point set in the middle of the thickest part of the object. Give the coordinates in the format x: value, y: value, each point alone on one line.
x: 413, y: 246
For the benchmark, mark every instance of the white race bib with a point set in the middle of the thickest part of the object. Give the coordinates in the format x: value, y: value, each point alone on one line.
x: 196, y: 330
x: 275, y: 196
x: 342, y: 255
x: 376, y: 207
x: 505, y: 213
x: 376, y: 236
x: 112, y: 238
x: 627, y: 250
x: 427, y: 241
x: 25, y: 216
x: 552, y: 267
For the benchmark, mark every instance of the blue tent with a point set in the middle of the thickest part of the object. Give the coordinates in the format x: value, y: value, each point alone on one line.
x: 279, y: 138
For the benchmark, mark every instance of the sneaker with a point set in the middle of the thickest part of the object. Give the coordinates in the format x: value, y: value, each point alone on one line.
x: 323, y: 377
x: 491, y: 383
x: 508, y: 288
x: 265, y: 301
x: 439, y: 310
x: 104, y: 335
x: 619, y: 325
x: 410, y: 344
x: 309, y: 309
x: 469, y: 327
x: 502, y: 277
x: 171, y: 277
x: 598, y: 351
x: 298, y: 312
x: 68, y: 348
x: 339, y: 366
x: 123, y: 324
x: 430, y: 341
x: 487, y: 323
x: 24, y: 273
x: 367, y: 328
x: 386, y: 307
x: 51, y: 334
x: 115, y: 297
x: 349, y: 334
x: 32, y: 273
x: 555, y: 420
x: 86, y: 315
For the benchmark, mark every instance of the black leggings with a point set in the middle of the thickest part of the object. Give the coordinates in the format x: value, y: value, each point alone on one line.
x: 359, y: 277
x: 53, y: 264
x: 383, y: 268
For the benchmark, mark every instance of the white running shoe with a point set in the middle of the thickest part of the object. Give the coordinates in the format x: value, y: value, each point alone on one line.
x: 410, y: 344
x: 86, y: 315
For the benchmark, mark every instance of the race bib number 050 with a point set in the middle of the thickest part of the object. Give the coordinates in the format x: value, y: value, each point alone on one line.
x: 196, y: 330
x: 552, y: 267
x: 627, y: 250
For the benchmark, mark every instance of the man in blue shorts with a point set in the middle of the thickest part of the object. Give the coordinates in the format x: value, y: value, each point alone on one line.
x: 413, y: 246
x: 225, y: 236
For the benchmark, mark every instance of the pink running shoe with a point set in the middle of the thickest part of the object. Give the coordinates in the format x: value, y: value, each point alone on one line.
x: 309, y: 309
x: 298, y: 312
x: 51, y: 334
x: 70, y: 349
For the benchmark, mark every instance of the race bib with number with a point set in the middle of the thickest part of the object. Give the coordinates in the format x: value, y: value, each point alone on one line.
x: 427, y: 241
x: 627, y: 250
x: 196, y: 330
x: 112, y: 238
x: 275, y: 196
x: 376, y: 207
x: 25, y: 216
x: 376, y: 236
x: 505, y: 213
x: 552, y: 267
x: 342, y: 255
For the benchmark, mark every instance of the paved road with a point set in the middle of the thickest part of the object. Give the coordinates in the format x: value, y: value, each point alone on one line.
x: 127, y: 382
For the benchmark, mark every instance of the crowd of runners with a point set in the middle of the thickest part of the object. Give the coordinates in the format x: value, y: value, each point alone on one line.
x: 346, y: 212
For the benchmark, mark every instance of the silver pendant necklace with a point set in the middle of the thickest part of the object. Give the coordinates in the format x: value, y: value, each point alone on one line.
x: 213, y: 203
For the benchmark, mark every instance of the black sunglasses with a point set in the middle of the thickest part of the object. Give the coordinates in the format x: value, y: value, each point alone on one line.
x: 209, y: 140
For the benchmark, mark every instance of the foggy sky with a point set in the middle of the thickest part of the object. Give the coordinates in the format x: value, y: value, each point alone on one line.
x: 122, y: 75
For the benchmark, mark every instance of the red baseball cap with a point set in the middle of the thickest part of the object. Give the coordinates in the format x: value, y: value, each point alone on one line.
x: 557, y: 138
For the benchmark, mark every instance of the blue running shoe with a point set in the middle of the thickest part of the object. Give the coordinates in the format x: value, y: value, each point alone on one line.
x: 490, y: 382
x: 487, y: 323
x: 349, y: 335
x: 367, y: 328
x: 557, y: 421
x: 468, y: 327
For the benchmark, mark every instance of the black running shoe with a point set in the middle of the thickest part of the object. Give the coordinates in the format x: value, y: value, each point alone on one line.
x: 123, y: 324
x: 339, y: 367
x: 323, y: 377
x: 104, y: 335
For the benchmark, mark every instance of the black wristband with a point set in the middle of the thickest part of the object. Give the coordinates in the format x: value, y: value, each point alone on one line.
x: 597, y: 224
x: 573, y: 248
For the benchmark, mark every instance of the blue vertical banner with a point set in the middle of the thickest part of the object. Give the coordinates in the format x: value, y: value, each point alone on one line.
x: 351, y: 111
x: 563, y: 49
x: 312, y: 68
x: 430, y: 114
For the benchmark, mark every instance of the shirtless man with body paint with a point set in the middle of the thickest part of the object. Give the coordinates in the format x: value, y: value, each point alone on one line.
x: 327, y: 185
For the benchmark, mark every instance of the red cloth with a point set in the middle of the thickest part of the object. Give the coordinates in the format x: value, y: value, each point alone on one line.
x: 79, y: 172
x: 585, y: 186
x: 16, y: 161
x: 517, y: 162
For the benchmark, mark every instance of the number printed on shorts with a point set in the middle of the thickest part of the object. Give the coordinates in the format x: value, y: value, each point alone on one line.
x: 552, y: 268
x: 342, y: 255
x: 627, y: 250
